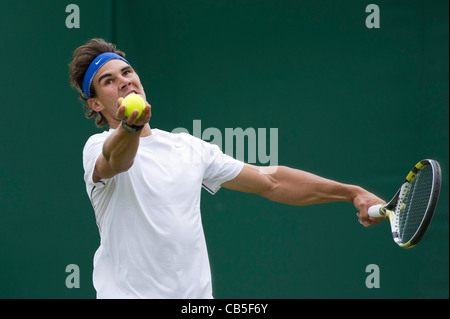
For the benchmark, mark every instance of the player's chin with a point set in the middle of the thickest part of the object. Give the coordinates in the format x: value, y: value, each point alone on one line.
x: 148, y: 112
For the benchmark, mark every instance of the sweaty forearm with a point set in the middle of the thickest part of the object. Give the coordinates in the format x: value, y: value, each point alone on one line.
x: 296, y: 187
x: 119, y: 151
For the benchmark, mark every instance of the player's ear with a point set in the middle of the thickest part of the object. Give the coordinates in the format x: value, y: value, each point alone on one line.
x: 95, y: 104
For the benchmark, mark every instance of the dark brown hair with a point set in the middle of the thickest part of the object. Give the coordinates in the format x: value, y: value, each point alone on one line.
x: 82, y: 58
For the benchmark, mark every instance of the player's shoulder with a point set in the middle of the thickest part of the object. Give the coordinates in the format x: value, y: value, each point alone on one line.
x: 97, y: 138
x: 176, y: 136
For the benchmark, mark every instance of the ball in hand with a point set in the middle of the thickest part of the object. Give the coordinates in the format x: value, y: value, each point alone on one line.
x: 133, y: 102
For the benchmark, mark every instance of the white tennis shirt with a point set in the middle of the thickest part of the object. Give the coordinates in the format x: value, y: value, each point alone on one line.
x: 152, y: 242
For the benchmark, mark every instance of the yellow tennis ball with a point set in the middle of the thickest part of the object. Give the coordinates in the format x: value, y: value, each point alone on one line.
x: 133, y: 102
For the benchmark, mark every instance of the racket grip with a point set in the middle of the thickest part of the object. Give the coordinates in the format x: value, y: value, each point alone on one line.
x: 375, y: 211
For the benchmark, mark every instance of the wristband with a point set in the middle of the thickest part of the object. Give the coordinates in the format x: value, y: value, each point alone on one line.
x: 131, y: 128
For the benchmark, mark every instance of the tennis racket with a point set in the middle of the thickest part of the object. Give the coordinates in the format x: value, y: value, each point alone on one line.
x: 411, y: 209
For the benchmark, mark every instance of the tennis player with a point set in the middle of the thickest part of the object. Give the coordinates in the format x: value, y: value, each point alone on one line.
x: 147, y: 201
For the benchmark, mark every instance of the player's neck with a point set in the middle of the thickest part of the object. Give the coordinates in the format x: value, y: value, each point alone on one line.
x: 146, y: 131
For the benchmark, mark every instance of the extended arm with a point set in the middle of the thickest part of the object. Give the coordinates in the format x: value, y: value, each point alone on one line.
x: 295, y: 187
x: 120, y: 148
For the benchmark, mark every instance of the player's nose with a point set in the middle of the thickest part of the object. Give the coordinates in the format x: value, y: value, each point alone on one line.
x: 123, y: 82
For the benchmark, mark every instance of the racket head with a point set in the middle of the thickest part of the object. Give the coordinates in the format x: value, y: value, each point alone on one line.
x: 411, y: 212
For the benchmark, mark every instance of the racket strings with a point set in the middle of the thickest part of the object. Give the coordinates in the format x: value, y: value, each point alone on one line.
x: 415, y: 204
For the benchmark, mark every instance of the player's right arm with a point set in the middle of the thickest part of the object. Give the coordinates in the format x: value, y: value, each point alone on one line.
x: 120, y: 148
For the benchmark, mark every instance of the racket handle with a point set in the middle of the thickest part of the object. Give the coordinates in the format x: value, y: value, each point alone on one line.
x: 375, y: 211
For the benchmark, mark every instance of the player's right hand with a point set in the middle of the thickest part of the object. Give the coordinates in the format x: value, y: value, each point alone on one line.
x: 133, y: 119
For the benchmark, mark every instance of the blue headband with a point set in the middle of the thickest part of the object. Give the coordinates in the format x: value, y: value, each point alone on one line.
x: 95, y: 65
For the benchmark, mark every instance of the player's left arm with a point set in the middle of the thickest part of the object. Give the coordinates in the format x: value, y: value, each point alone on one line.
x: 296, y: 187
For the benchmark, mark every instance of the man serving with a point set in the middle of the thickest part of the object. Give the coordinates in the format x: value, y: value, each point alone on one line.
x: 145, y: 187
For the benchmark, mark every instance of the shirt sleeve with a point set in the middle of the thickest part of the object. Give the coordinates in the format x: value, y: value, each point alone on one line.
x: 92, y: 150
x: 220, y: 167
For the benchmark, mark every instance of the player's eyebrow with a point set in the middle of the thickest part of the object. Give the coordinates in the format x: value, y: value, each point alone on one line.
x: 109, y: 74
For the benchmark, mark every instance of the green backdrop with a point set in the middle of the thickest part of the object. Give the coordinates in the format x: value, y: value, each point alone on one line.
x: 355, y: 104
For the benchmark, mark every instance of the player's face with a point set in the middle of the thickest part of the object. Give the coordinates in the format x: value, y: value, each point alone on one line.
x: 113, y: 80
